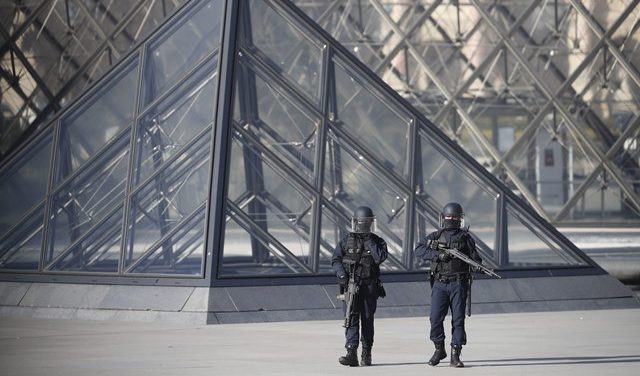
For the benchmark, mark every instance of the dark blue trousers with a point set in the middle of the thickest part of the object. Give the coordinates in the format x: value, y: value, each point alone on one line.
x: 444, y: 296
x: 364, y: 307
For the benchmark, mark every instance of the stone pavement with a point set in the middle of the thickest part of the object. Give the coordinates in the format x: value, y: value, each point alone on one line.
x: 605, y: 342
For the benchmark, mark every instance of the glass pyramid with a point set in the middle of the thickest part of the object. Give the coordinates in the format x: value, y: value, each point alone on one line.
x: 235, y: 142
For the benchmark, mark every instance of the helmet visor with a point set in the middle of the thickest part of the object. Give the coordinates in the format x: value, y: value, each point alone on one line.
x: 460, y: 218
x: 363, y: 225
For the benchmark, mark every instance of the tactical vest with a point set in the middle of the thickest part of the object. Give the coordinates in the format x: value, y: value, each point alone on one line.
x: 453, y: 238
x: 366, y: 268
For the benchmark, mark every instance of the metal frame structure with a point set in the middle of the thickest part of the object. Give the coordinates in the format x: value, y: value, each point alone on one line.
x: 132, y: 184
x: 502, y: 59
x: 318, y: 178
x: 328, y: 124
x: 81, y: 37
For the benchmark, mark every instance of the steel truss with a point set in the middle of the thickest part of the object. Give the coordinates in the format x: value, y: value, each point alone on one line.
x: 252, y: 208
x: 52, y: 50
x: 518, y: 37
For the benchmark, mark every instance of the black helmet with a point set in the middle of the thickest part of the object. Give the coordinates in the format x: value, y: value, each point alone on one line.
x: 362, y: 220
x: 453, y: 209
x: 453, y: 214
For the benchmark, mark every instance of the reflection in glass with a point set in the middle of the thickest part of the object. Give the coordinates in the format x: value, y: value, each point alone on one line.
x: 176, y: 51
x: 20, y: 249
x: 98, y: 252
x: 169, y: 197
x: 237, y: 189
x: 334, y: 227
x: 443, y: 182
x: 602, y: 198
x: 23, y: 184
x: 97, y: 121
x: 530, y: 247
x: 171, y: 125
x: 182, y: 252
x: 278, y: 211
x: 350, y: 184
x: 170, y: 178
x: 88, y: 197
x: 289, y: 51
x: 372, y: 122
x: 281, y: 125
x: 426, y: 222
x: 241, y: 255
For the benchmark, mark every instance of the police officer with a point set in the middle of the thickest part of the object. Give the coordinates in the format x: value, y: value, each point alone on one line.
x: 368, y: 251
x: 449, y: 281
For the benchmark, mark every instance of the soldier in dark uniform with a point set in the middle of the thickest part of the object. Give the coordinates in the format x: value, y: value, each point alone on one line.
x: 449, y: 281
x: 368, y: 251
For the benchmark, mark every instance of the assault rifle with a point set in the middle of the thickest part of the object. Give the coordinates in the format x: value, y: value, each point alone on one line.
x: 466, y: 259
x: 472, y: 263
x: 349, y: 295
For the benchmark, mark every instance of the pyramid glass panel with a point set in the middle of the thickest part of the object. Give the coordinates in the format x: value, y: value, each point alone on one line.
x: 170, y: 196
x: 275, y: 206
x: 552, y: 163
x: 529, y: 246
x: 98, y: 252
x: 501, y: 63
x: 296, y: 56
x: 84, y: 200
x: 23, y: 183
x: 426, y: 222
x: 307, y: 134
x: 179, y: 47
x: 371, y: 120
x: 97, y: 121
x: 21, y: 249
x: 59, y: 49
x: 603, y: 198
x: 182, y: 117
x: 335, y: 225
x: 350, y: 182
x: 249, y: 255
x: 444, y: 182
x: 155, y: 191
x: 180, y: 252
x: 280, y: 122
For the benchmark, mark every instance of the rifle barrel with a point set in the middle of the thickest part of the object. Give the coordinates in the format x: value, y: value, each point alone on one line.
x: 461, y: 256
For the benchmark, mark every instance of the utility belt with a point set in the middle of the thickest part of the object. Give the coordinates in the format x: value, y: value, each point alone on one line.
x: 451, y: 277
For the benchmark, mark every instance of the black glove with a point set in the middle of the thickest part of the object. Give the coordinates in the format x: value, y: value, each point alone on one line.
x: 444, y: 257
x: 433, y: 245
x: 343, y: 280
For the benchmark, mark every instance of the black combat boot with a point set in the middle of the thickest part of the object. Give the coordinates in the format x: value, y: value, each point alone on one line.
x: 438, y: 355
x: 351, y: 359
x: 455, y: 357
x: 365, y: 358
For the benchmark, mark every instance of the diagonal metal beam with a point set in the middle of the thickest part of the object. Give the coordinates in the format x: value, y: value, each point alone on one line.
x: 103, y: 34
x: 400, y: 44
x: 606, y: 37
x: 54, y: 103
x: 26, y: 64
x: 590, y: 116
x: 113, y: 18
x: 594, y: 174
x: 558, y: 105
x: 488, y: 60
x: 465, y: 116
x: 287, y: 258
x: 588, y: 59
x: 24, y: 26
x: 14, y: 83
